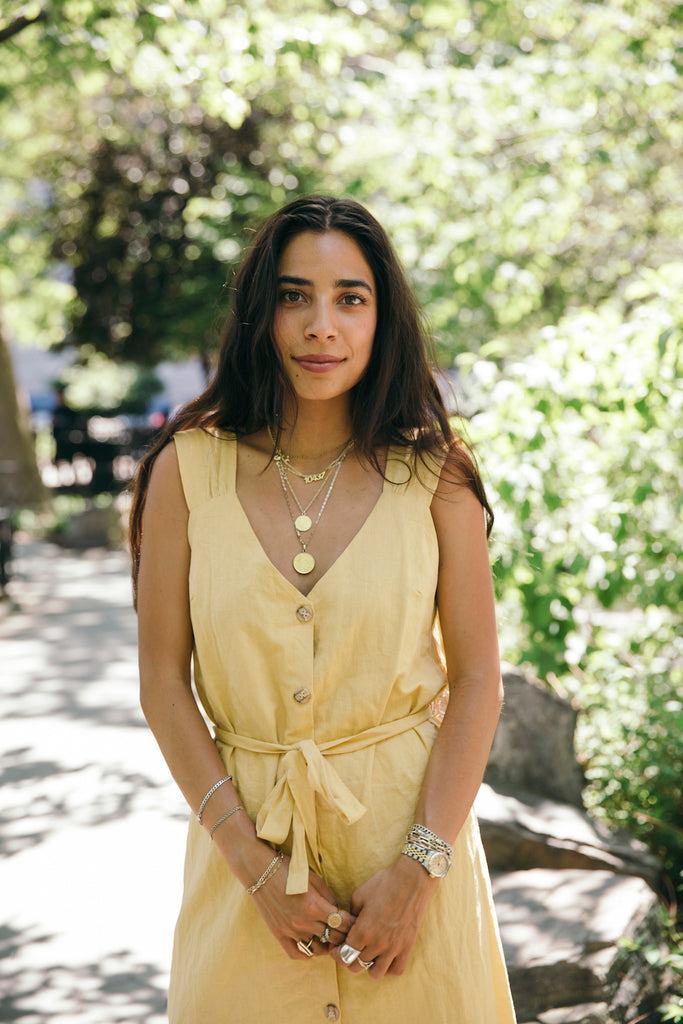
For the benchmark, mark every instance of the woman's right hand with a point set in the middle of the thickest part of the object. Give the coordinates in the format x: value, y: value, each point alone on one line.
x: 302, y: 916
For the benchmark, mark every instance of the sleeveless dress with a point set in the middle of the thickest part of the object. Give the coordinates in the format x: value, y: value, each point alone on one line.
x: 321, y: 712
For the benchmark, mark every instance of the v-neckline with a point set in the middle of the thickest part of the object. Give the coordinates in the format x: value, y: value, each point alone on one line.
x: 341, y: 554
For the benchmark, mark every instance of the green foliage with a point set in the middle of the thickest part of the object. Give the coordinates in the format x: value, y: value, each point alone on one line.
x: 582, y: 445
x: 525, y: 157
x: 95, y: 382
x: 673, y: 1010
x: 632, y: 733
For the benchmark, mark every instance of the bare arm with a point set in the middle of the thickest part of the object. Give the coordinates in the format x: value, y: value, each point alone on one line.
x: 165, y: 652
x: 468, y: 625
x: 391, y: 905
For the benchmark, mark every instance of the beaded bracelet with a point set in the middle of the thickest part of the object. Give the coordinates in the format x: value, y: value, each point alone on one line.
x: 268, y: 873
x: 224, y: 818
x: 228, y: 778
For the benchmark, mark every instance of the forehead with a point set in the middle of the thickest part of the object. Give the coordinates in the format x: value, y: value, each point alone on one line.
x: 324, y: 252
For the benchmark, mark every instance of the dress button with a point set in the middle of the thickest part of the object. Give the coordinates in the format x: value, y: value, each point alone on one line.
x: 304, y: 613
x: 302, y: 696
x: 331, y: 1012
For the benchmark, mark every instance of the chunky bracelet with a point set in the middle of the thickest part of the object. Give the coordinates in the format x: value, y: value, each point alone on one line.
x: 268, y: 873
x: 423, y: 836
x: 228, y: 778
x: 224, y: 818
x: 429, y: 850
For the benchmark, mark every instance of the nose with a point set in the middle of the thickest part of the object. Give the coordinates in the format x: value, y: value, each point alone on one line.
x: 321, y: 325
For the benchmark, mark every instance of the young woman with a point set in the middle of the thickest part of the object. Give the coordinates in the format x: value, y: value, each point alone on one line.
x: 296, y: 533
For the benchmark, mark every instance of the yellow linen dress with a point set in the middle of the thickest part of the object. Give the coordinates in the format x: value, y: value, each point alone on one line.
x: 321, y: 712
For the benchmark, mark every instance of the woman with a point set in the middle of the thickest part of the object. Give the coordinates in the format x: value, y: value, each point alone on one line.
x: 304, y: 520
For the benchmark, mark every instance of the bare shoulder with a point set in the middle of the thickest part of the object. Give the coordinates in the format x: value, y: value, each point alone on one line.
x: 165, y: 495
x: 457, y: 476
x: 457, y: 512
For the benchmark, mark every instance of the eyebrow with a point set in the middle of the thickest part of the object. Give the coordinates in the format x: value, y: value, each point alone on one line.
x: 342, y: 282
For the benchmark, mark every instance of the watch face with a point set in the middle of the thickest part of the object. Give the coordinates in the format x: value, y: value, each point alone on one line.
x: 438, y: 865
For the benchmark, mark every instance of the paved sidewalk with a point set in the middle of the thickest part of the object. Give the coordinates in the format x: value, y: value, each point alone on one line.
x: 92, y: 829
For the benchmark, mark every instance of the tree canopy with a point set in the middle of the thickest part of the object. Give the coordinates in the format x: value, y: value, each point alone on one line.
x: 524, y: 155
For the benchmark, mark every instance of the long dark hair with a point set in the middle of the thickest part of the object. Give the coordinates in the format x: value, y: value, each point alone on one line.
x: 396, y: 402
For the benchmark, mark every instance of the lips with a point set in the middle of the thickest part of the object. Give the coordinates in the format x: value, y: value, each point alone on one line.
x: 318, y: 362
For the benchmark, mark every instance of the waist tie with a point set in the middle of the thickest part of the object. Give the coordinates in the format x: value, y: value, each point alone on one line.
x: 302, y: 772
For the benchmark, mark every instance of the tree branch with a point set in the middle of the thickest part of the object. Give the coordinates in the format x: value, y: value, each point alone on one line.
x: 19, y: 24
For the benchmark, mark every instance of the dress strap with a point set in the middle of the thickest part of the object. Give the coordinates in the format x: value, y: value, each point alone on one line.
x: 206, y: 459
x: 303, y: 772
x: 407, y: 471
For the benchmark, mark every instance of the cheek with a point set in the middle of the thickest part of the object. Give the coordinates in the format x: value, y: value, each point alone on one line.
x: 280, y: 331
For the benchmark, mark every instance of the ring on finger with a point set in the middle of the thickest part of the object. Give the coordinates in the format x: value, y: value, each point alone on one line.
x: 365, y: 964
x: 348, y: 954
x: 334, y: 920
x: 305, y: 947
x: 325, y: 937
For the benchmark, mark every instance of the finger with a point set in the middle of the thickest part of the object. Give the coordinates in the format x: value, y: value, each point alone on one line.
x: 292, y: 950
x: 398, y: 965
x: 306, y: 948
x: 338, y: 923
x: 354, y: 967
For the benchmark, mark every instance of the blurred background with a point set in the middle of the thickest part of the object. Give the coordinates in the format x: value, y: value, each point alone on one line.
x: 525, y: 156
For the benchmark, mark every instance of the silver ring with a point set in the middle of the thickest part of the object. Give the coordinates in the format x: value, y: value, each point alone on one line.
x: 325, y: 937
x: 348, y: 954
x: 335, y: 920
x: 305, y: 947
x: 366, y: 964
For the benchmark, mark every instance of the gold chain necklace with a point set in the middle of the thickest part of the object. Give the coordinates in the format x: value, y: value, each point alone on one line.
x: 303, y: 521
x: 304, y: 562
x: 308, y: 478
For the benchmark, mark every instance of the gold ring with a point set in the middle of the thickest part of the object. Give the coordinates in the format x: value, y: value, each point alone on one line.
x: 335, y: 920
x: 305, y: 947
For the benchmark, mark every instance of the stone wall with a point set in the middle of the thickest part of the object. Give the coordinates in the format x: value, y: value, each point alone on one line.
x: 577, y: 903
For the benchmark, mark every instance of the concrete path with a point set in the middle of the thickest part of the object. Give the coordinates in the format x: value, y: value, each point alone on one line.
x: 92, y: 829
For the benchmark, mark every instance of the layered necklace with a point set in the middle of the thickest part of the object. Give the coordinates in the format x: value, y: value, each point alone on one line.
x: 305, y: 527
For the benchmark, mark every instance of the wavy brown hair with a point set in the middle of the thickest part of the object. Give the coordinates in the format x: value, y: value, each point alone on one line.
x: 396, y: 402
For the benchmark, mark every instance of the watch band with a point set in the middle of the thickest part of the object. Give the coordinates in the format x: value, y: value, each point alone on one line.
x: 424, y: 846
x: 424, y: 836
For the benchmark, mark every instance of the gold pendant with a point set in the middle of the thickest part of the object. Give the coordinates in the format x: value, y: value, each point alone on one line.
x: 303, y: 523
x: 312, y: 477
x: 303, y: 563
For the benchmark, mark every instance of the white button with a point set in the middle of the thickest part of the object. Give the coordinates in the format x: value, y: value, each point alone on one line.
x: 304, y: 613
x: 332, y: 1012
x: 302, y: 696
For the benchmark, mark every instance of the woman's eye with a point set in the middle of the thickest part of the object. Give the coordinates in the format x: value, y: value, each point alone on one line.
x: 291, y: 296
x: 352, y: 299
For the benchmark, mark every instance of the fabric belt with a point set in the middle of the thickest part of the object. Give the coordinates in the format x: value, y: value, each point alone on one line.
x: 302, y: 773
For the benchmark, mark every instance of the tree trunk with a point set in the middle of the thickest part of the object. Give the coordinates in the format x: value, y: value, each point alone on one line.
x: 20, y: 483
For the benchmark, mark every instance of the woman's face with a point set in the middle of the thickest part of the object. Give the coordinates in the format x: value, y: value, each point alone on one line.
x: 326, y: 314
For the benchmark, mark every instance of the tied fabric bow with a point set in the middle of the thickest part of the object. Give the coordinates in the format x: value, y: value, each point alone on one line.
x: 303, y: 772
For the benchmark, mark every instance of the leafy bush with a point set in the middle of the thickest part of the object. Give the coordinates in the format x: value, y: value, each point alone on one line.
x: 581, y: 444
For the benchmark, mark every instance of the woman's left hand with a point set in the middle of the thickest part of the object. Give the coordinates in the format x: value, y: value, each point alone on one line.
x: 389, y: 909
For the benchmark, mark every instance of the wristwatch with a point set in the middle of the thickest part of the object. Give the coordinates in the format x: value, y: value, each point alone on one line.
x: 434, y: 854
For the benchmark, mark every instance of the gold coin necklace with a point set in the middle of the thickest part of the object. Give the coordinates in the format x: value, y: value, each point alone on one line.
x: 303, y: 521
x: 304, y: 562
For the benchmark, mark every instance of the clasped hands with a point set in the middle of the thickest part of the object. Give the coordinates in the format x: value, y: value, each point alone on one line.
x: 376, y: 935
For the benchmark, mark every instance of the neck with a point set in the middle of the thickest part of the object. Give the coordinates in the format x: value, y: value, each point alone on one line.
x: 318, y: 428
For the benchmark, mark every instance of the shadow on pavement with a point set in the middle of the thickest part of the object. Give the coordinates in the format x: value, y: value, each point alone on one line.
x: 112, y: 990
x: 92, y: 828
